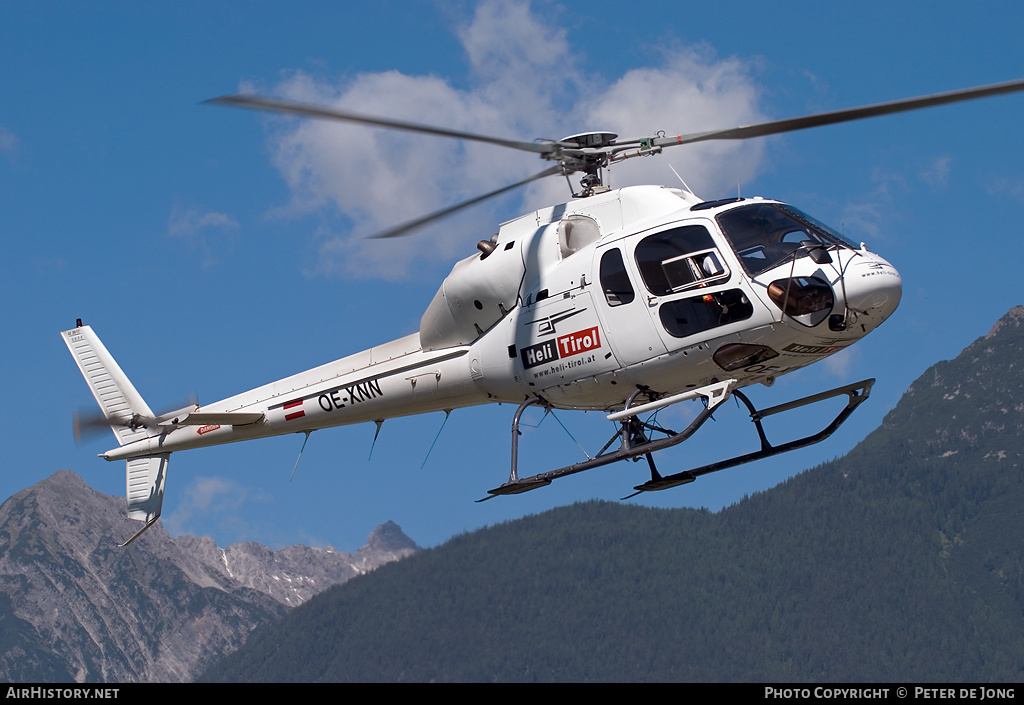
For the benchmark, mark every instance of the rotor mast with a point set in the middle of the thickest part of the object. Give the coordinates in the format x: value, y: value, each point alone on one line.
x: 590, y: 156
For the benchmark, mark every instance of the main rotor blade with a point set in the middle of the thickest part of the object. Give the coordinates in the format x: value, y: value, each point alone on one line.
x: 317, y: 111
x: 406, y: 228
x: 792, y: 124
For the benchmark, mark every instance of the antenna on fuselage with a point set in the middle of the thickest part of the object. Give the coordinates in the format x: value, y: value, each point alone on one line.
x: 447, y: 413
x: 685, y: 185
x: 300, y: 455
x: 379, y: 422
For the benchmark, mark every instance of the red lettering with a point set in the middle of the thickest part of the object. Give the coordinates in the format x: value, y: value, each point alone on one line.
x: 579, y: 342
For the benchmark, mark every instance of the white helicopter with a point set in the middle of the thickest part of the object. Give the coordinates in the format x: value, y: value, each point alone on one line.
x: 624, y: 301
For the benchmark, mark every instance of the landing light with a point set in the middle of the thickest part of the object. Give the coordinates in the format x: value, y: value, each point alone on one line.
x: 735, y: 356
x: 808, y: 300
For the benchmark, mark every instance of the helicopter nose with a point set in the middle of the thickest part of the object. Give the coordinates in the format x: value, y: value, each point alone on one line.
x: 873, y: 288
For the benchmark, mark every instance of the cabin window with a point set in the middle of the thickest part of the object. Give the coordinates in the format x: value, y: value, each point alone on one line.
x: 618, y: 290
x: 686, y: 317
x: 575, y: 233
x: 678, y: 259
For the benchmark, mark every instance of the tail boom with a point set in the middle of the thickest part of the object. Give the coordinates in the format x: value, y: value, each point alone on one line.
x: 394, y: 379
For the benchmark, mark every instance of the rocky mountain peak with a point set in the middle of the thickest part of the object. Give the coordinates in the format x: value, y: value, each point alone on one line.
x: 389, y: 537
x: 971, y: 404
x: 1013, y: 318
x: 77, y: 607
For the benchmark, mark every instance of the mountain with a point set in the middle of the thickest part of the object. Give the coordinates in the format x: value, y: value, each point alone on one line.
x: 902, y: 561
x: 74, y: 606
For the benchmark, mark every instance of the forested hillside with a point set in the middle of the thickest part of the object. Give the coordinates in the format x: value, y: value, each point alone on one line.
x: 903, y: 561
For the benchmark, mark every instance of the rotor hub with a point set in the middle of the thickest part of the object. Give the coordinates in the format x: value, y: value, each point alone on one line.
x: 592, y: 156
x: 593, y: 140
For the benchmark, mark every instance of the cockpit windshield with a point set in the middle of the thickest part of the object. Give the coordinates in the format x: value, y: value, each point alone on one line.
x: 765, y: 234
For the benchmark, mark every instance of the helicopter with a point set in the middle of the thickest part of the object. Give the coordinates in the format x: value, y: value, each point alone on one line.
x: 623, y: 301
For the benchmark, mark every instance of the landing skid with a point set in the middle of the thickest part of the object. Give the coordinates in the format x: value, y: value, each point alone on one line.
x: 634, y: 440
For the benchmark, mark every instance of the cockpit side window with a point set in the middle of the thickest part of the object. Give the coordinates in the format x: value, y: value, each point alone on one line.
x: 618, y: 290
x: 679, y: 259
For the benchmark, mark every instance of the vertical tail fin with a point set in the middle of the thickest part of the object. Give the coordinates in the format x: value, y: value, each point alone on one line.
x: 129, y: 417
x: 122, y: 405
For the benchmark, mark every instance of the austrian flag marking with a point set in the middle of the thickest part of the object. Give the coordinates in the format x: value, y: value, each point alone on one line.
x: 297, y: 404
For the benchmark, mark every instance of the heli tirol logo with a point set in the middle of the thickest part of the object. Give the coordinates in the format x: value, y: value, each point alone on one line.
x: 548, y: 323
x: 565, y: 346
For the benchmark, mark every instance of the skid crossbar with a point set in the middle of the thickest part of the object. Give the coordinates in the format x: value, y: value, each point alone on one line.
x: 857, y: 393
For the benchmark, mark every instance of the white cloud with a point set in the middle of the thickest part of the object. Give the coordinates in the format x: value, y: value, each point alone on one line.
x: 186, y: 222
x: 524, y: 84
x: 871, y: 216
x: 8, y: 141
x: 513, y: 53
x: 840, y: 364
x: 204, y: 495
x: 863, y: 219
x: 936, y: 173
x: 1014, y: 188
x: 211, y: 499
x: 691, y: 91
x: 201, y: 231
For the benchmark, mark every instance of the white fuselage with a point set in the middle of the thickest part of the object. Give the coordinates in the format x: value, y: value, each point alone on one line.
x: 579, y: 304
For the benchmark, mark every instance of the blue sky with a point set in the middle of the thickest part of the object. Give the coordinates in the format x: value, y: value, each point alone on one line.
x: 214, y: 249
